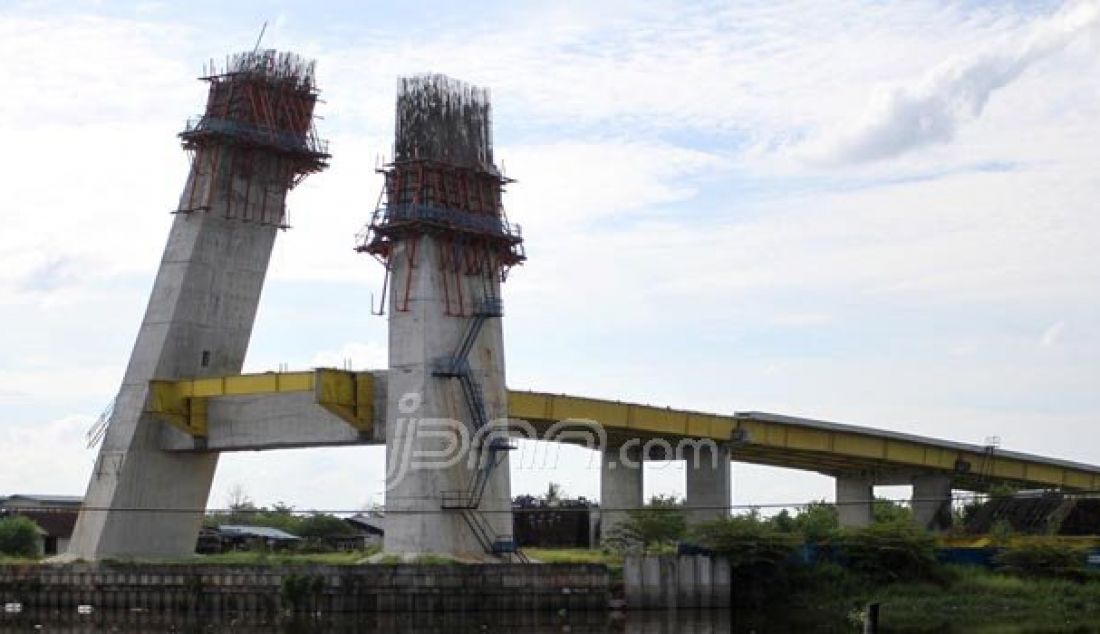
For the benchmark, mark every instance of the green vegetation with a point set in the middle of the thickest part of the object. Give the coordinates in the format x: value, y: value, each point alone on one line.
x: 655, y: 528
x: 574, y: 556
x: 19, y: 537
x: 816, y: 522
x: 282, y: 517
x: 758, y: 553
x: 755, y: 549
x: 423, y: 560
x: 262, y: 558
x: 1043, y: 557
x: 322, y: 525
x: 890, y: 552
x: 1037, y: 582
x: 965, y: 599
x: 316, y: 530
x: 299, y: 589
x: 890, y: 512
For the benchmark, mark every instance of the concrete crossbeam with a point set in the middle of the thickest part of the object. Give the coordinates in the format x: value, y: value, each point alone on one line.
x: 267, y: 421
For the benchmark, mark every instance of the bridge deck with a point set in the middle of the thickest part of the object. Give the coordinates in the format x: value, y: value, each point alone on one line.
x: 755, y: 437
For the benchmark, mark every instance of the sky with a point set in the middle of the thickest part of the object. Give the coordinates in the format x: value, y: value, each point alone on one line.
x: 883, y: 214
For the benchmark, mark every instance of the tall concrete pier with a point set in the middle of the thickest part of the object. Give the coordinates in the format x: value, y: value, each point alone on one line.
x: 442, y: 234
x: 254, y: 142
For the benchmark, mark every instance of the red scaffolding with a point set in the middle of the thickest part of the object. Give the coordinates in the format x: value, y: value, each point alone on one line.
x: 443, y: 185
x: 256, y: 139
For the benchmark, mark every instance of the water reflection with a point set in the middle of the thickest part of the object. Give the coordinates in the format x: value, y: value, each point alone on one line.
x: 652, y: 622
x: 658, y: 622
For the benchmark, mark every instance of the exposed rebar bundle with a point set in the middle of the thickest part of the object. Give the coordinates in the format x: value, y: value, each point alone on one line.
x: 443, y: 185
x: 443, y: 119
x: 272, y: 65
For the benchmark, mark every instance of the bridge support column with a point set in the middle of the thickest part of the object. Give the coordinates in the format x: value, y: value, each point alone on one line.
x: 854, y: 497
x: 141, y: 501
x: 932, y: 501
x: 447, y: 248
x: 707, y: 467
x: 621, y: 480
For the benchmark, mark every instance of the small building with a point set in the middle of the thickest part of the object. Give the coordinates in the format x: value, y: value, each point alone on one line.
x: 40, y: 502
x: 557, y: 523
x: 240, y: 537
x: 370, y: 529
x: 55, y: 516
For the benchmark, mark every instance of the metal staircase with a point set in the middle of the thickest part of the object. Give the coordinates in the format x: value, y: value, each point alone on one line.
x: 491, y: 450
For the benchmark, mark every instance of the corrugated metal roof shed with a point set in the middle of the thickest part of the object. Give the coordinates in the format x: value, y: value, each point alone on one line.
x: 237, y: 530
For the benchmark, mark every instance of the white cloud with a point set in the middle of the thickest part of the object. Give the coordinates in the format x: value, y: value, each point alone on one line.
x: 355, y: 356
x: 45, y: 457
x: 574, y: 183
x: 58, y: 381
x: 902, y: 118
x: 1052, y: 334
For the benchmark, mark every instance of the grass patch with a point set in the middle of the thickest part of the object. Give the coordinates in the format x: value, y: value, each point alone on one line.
x: 573, y: 556
x: 964, y: 597
x: 253, y: 558
x: 422, y: 560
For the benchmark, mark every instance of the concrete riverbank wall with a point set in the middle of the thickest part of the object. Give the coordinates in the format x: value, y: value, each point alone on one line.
x: 671, y: 582
x: 221, y: 590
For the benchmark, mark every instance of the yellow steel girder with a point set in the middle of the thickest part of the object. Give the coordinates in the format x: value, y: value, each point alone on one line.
x: 183, y: 402
x: 759, y: 438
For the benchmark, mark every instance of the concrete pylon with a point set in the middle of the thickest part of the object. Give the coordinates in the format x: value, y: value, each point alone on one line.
x: 932, y: 501
x: 855, y: 496
x: 430, y: 432
x: 707, y: 479
x: 141, y: 501
x: 622, y: 481
x: 447, y: 245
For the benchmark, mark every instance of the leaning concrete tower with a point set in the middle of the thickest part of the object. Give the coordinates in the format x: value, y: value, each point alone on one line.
x: 442, y: 234
x: 255, y: 142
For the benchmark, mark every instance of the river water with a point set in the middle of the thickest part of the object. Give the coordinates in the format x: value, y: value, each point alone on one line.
x: 653, y: 622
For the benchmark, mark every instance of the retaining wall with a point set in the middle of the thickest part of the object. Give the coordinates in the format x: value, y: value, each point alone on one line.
x: 685, y: 582
x: 260, y: 590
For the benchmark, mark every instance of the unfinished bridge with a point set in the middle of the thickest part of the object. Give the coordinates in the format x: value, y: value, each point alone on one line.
x: 446, y: 246
x: 327, y: 407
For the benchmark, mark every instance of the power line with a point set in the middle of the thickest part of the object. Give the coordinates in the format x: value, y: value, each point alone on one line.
x: 964, y: 497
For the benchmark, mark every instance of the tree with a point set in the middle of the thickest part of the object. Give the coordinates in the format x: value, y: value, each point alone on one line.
x: 784, y: 522
x: 322, y: 525
x: 238, y: 500
x: 18, y: 537
x: 885, y: 511
x: 660, y: 524
x: 756, y: 550
x: 817, y: 521
x: 889, y: 551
